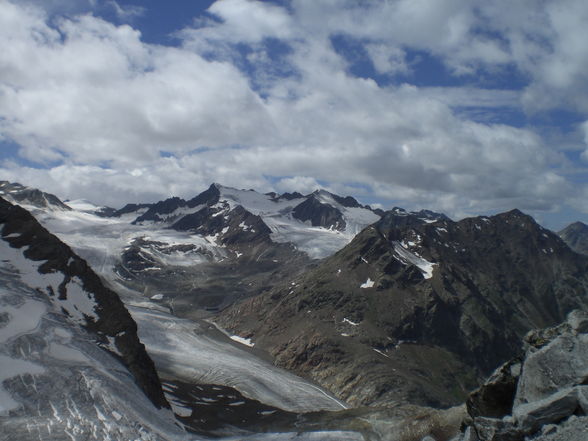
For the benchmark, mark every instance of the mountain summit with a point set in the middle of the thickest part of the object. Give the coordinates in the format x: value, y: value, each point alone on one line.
x: 576, y: 236
x: 416, y: 309
x: 19, y: 194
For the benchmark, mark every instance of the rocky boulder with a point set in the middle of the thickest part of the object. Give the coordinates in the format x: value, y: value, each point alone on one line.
x: 548, y: 391
x: 495, y: 397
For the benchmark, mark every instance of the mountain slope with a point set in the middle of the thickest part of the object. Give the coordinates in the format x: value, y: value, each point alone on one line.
x: 576, y: 236
x: 78, y: 292
x: 71, y: 364
x: 417, y: 310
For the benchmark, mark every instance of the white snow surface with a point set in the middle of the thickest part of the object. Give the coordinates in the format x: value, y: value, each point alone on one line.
x: 78, y: 303
x: 83, y: 205
x: 317, y: 242
x: 10, y: 368
x: 187, y: 350
x: 369, y: 283
x: 242, y: 340
x: 406, y: 256
x: 55, y: 381
x: 73, y: 389
x: 101, y: 241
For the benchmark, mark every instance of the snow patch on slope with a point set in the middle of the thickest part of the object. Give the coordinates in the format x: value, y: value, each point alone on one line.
x: 56, y: 383
x: 242, y: 340
x: 406, y: 257
x: 369, y: 283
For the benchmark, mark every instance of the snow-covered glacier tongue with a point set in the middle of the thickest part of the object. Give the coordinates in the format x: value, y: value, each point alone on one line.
x: 64, y: 372
x: 71, y: 365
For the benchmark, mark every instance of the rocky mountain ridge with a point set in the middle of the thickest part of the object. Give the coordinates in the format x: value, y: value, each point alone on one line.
x: 417, y: 310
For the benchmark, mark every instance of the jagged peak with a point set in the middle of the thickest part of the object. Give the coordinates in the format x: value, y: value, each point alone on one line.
x: 19, y: 194
x: 514, y: 214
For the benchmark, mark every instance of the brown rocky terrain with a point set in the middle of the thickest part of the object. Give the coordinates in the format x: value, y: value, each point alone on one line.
x: 415, y: 310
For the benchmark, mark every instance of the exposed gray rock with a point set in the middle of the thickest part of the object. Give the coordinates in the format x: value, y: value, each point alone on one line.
x: 562, y: 363
x: 578, y: 321
x: 576, y: 236
x: 583, y: 398
x: 575, y: 428
x: 422, y: 337
x: 495, y: 429
x: 551, y: 390
x: 549, y: 429
x: 532, y: 416
x: 469, y: 435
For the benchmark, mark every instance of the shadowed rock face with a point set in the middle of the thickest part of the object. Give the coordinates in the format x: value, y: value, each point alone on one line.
x: 319, y: 215
x: 417, y: 310
x: 236, y: 226
x: 21, y: 230
x: 576, y: 236
x: 163, y: 207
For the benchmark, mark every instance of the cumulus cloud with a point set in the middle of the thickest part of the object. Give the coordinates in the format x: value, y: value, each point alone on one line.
x: 125, y: 13
x: 102, y: 104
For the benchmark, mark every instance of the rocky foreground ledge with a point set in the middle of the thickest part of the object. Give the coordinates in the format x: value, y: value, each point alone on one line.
x: 542, y: 396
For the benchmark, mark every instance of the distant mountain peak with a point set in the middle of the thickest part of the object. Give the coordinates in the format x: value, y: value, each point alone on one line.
x: 575, y: 236
x: 463, y: 292
x: 23, y: 195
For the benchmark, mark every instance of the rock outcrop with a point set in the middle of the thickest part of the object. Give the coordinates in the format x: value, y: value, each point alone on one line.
x: 549, y: 400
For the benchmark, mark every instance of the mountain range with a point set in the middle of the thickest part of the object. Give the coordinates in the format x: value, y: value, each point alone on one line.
x: 417, y: 311
x: 376, y: 316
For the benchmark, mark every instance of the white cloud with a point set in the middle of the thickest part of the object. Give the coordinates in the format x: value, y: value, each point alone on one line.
x: 103, y: 95
x: 301, y: 184
x: 95, y: 97
x: 125, y: 13
x: 387, y: 59
x: 251, y: 21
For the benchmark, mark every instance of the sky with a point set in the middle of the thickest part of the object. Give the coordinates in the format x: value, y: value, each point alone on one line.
x: 461, y: 106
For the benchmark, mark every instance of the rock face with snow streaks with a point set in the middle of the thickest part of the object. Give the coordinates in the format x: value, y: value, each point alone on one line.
x: 417, y: 308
